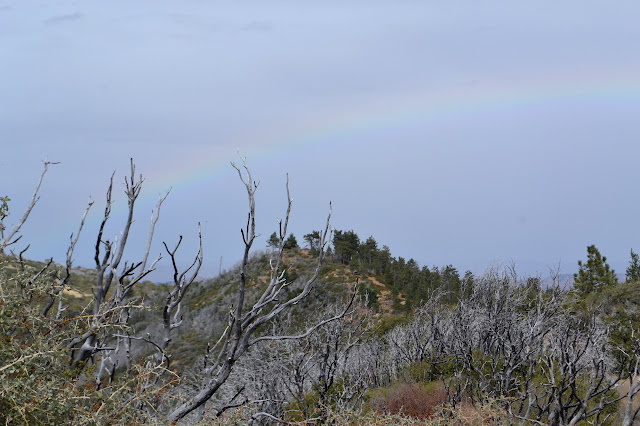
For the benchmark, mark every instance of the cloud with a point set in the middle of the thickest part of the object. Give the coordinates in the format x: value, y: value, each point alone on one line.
x: 194, y: 21
x: 61, y: 19
x: 260, y: 26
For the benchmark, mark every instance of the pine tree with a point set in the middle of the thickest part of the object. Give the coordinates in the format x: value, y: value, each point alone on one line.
x: 291, y: 242
x: 595, y: 275
x: 633, y: 271
x: 345, y: 245
x: 273, y: 242
x: 313, y: 240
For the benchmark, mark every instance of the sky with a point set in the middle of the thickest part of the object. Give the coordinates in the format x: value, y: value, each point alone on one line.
x: 454, y: 132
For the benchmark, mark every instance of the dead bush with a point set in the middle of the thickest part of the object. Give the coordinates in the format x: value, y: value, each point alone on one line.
x: 412, y: 400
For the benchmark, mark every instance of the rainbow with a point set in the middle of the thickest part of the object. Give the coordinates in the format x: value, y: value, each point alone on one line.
x: 418, y: 107
x: 409, y: 109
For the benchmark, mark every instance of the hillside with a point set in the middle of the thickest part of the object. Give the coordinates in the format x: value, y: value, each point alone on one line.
x: 383, y: 282
x: 415, y: 344
x: 207, y: 302
x: 206, y: 305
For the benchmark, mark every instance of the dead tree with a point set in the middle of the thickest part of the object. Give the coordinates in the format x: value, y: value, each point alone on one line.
x: 111, y: 308
x: 321, y: 362
x: 420, y: 340
x: 579, y: 379
x: 631, y: 374
x: 243, y: 321
x: 337, y: 382
x: 278, y: 376
x: 495, y: 338
x: 545, y: 364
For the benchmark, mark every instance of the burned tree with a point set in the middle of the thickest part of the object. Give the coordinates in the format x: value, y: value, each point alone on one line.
x: 243, y: 322
x: 111, y: 309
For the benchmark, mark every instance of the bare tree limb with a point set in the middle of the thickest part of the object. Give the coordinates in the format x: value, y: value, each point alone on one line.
x: 9, y: 240
x: 237, y: 337
x: 65, y: 280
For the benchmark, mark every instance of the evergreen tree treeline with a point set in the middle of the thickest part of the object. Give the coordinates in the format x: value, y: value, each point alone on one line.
x: 405, y: 277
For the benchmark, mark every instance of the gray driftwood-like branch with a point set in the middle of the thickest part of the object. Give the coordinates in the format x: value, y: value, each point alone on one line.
x: 112, y: 308
x: 632, y: 376
x: 181, y: 282
x: 346, y: 311
x: 72, y: 245
x: 243, y: 322
x: 11, y: 237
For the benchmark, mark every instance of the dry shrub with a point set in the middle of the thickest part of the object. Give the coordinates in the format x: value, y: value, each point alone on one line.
x: 412, y: 400
x: 490, y: 413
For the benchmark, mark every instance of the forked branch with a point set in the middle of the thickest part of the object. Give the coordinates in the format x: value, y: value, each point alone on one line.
x: 243, y: 325
x: 11, y: 237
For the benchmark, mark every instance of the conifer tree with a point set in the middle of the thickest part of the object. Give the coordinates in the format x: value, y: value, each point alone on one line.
x: 273, y: 242
x: 291, y: 242
x: 345, y: 245
x: 633, y: 271
x: 595, y: 275
x: 313, y: 240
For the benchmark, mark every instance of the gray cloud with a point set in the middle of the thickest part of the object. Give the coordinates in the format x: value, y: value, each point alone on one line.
x: 206, y: 23
x: 61, y: 19
x: 260, y: 26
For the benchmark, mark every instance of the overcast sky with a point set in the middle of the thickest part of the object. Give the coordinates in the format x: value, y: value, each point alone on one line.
x: 455, y: 132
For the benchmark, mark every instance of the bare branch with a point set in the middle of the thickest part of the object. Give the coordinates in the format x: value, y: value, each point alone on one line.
x: 34, y: 199
x: 155, y: 215
x: 65, y: 280
x: 236, y: 338
x: 346, y: 311
x: 180, y: 285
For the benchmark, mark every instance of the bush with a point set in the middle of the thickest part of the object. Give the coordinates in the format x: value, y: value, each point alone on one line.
x: 412, y: 400
x: 37, y: 384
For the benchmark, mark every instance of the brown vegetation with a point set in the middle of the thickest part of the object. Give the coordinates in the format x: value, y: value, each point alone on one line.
x: 412, y: 400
